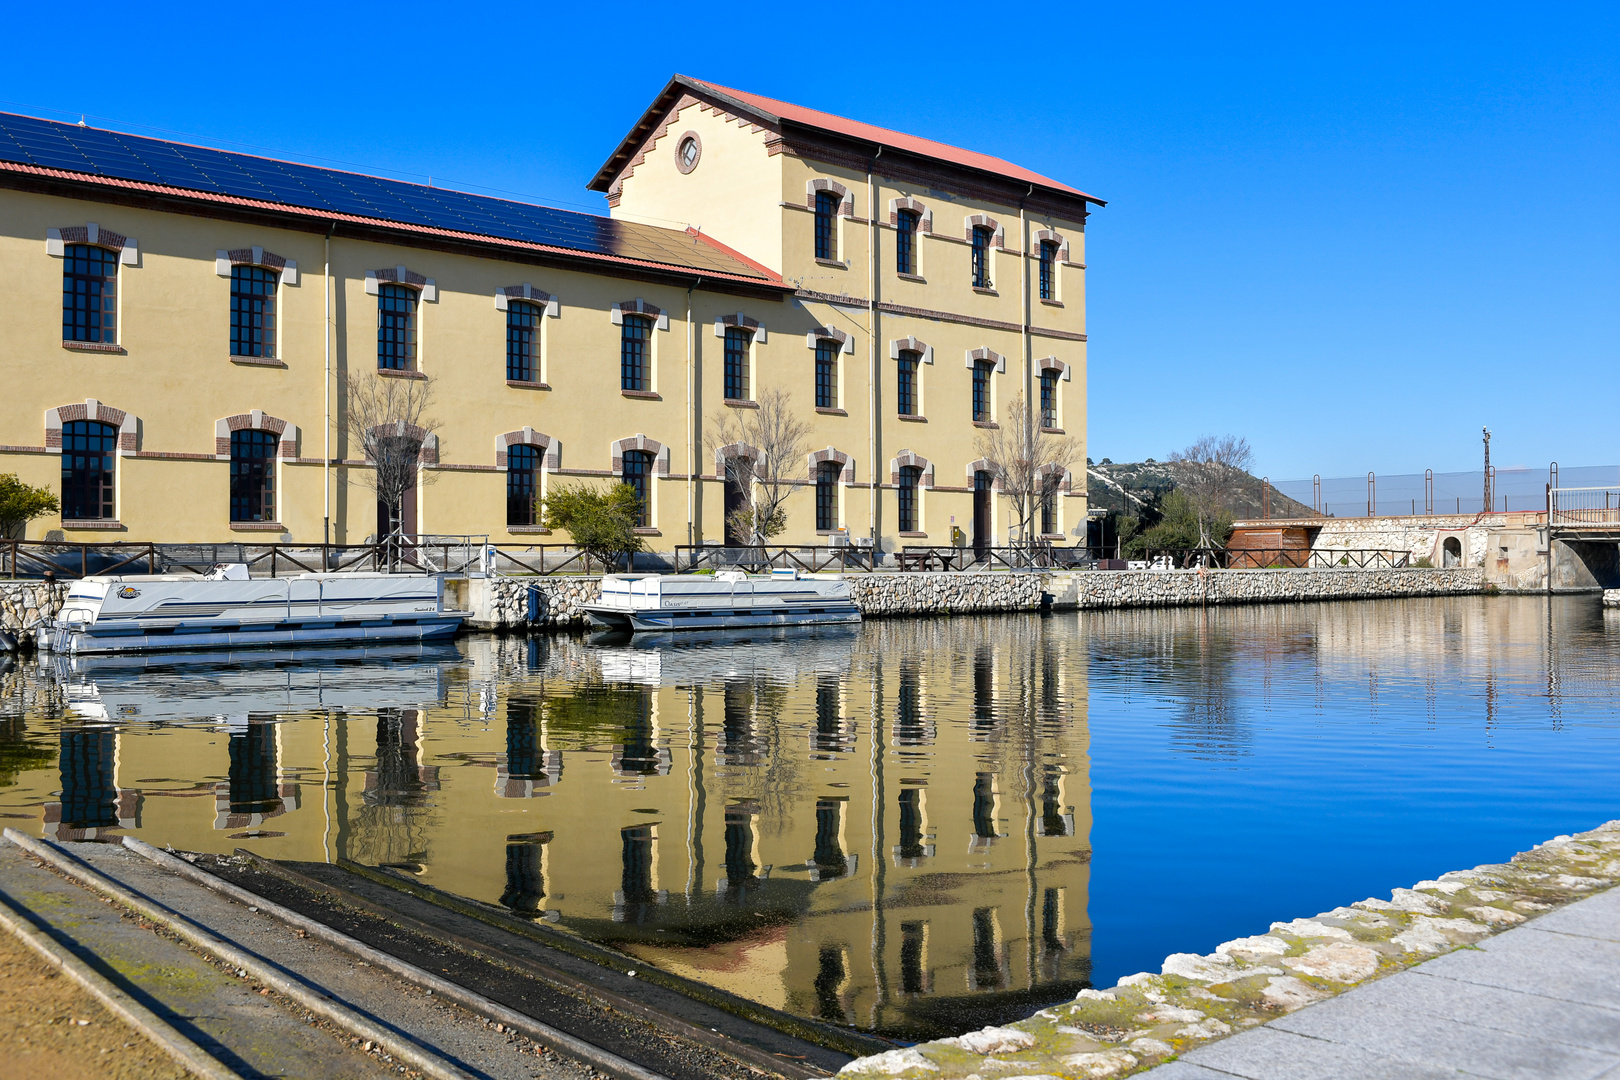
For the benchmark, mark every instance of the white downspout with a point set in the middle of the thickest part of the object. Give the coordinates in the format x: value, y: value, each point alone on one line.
x: 691, y: 423
x: 876, y: 402
x: 326, y: 396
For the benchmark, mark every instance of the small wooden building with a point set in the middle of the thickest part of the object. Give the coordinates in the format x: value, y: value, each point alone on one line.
x: 1256, y: 547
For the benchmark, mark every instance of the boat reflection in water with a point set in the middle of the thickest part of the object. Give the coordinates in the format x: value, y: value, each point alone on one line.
x: 883, y: 826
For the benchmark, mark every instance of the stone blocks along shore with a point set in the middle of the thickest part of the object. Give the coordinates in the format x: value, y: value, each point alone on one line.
x: 1193, y: 1000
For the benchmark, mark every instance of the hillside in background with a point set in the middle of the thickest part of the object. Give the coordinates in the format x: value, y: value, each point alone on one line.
x: 1132, y: 486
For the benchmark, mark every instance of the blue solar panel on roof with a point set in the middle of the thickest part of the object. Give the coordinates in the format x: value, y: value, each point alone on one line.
x: 49, y: 144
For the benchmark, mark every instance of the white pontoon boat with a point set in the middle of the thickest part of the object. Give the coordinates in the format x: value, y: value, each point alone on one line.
x: 728, y: 600
x: 227, y: 609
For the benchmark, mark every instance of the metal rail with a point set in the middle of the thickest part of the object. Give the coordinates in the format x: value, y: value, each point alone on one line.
x: 1277, y: 559
x: 760, y: 557
x: 1584, y: 507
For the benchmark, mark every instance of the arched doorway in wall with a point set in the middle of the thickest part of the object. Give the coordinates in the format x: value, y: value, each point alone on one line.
x: 1451, y: 552
x: 981, y: 514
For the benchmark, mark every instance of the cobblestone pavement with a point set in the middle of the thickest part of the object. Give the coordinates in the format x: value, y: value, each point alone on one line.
x: 1540, y: 1001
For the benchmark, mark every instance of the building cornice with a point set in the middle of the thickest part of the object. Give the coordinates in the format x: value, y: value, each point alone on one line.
x: 111, y: 190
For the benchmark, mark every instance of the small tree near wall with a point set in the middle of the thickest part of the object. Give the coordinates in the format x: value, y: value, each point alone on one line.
x: 1025, y: 462
x: 21, y: 503
x: 388, y: 421
x: 601, y: 521
x: 770, y: 464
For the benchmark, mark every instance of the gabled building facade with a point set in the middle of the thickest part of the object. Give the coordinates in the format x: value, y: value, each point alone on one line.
x: 183, y: 322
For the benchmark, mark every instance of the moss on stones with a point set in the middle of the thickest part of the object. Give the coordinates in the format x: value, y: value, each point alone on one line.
x: 1148, y: 1019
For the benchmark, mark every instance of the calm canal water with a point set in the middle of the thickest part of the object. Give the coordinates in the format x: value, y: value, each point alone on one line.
x: 915, y: 827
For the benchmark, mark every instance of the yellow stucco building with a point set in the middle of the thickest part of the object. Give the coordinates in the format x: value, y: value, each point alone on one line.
x: 181, y: 324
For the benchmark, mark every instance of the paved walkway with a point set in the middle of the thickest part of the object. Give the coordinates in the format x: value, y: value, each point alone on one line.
x: 1539, y: 1002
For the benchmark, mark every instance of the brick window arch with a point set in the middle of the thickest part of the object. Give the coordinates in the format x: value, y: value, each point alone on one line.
x: 911, y: 459
x: 91, y: 258
x: 845, y: 463
x: 90, y: 437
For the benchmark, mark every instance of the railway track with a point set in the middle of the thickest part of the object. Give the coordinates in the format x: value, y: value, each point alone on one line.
x: 238, y: 967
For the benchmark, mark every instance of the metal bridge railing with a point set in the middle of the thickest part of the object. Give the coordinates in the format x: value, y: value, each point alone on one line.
x: 1584, y: 507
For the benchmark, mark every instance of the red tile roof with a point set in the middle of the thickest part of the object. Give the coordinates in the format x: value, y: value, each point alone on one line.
x: 780, y: 113
x: 898, y: 140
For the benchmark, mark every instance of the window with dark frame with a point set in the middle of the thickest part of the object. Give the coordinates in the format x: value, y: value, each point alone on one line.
x: 253, y: 311
x: 827, y: 373
x: 905, y: 242
x: 253, y: 475
x: 827, y: 224
x: 1049, y: 418
x: 522, y: 484
x: 523, y: 341
x: 1048, y: 275
x: 827, y: 474
x: 738, y: 340
x: 88, y: 452
x: 905, y: 384
x: 635, y: 471
x: 906, y: 497
x: 1049, y: 486
x: 396, y: 328
x: 981, y: 390
x: 634, y: 337
x: 89, y: 294
x: 981, y: 256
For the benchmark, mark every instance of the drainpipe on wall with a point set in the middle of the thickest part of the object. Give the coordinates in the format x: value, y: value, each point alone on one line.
x: 1029, y: 344
x: 876, y: 402
x: 691, y: 422
x: 326, y: 395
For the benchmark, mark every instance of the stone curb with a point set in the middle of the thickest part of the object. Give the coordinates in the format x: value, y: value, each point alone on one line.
x: 1149, y: 1018
x: 191, y: 1057
x: 270, y: 975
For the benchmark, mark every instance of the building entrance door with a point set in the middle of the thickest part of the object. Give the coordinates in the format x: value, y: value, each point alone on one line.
x: 736, y: 499
x: 981, y: 515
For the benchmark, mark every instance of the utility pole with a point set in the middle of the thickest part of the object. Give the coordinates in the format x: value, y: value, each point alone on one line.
x: 1489, y: 496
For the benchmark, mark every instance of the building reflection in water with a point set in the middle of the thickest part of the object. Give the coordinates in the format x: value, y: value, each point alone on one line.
x: 525, y: 873
x: 528, y: 767
x: 880, y: 828
x: 91, y: 801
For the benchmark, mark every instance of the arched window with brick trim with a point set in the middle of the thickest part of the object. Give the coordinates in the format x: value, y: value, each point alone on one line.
x: 253, y: 474
x: 827, y: 476
x: 907, y: 501
x: 1048, y: 269
x: 637, y: 470
x: 523, y: 340
x: 635, y: 335
x: 396, y: 327
x: 981, y: 239
x: 89, y: 294
x: 827, y: 350
x: 89, y: 453
x: 523, y: 463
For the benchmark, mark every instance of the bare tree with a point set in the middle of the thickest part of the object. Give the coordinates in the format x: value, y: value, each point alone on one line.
x: 1026, y: 463
x: 1210, y: 472
x: 389, y: 422
x: 772, y: 443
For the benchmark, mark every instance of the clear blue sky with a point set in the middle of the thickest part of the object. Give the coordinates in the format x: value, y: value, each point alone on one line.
x: 1352, y: 235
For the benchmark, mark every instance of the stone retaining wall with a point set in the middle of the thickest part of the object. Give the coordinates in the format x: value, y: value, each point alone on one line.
x: 878, y: 595
x: 24, y: 603
x: 1174, y: 588
x: 502, y: 603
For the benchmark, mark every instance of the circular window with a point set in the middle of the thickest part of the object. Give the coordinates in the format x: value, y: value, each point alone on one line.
x: 687, y: 152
